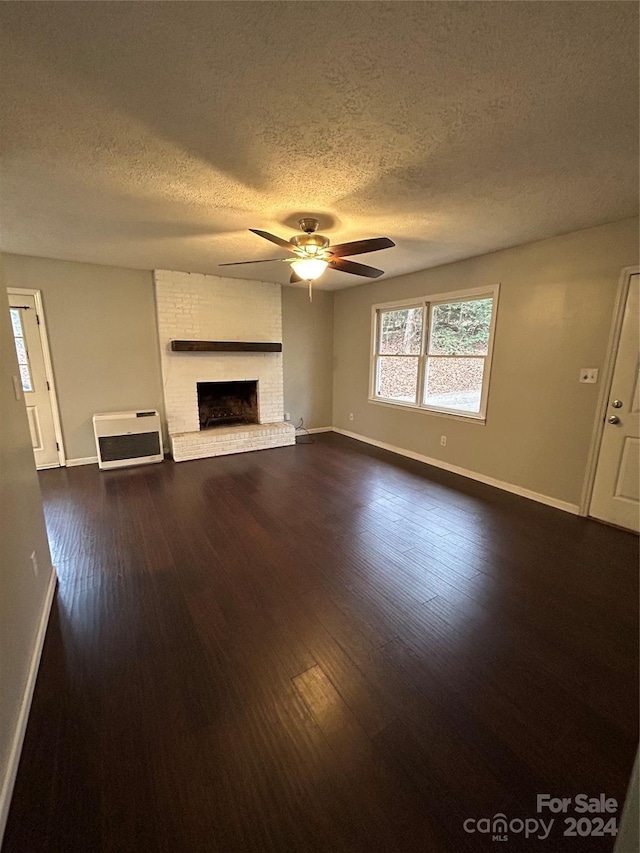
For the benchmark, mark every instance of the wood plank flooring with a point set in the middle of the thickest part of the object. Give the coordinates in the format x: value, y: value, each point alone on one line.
x: 321, y: 648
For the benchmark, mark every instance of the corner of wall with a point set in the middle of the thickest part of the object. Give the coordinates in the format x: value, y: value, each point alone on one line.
x: 25, y: 595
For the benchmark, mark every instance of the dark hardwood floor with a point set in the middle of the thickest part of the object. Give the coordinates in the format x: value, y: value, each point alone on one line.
x: 321, y: 648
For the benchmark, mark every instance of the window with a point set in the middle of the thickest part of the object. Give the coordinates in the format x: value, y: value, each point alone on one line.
x: 21, y: 349
x: 435, y: 354
x: 399, y: 354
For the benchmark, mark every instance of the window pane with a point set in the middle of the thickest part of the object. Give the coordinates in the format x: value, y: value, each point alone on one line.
x: 398, y: 378
x: 454, y: 383
x: 15, y: 322
x: 21, y: 350
x: 461, y: 328
x: 401, y: 331
x: 26, y: 377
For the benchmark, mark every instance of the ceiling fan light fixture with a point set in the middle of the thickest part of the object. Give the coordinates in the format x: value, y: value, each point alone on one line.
x: 309, y: 268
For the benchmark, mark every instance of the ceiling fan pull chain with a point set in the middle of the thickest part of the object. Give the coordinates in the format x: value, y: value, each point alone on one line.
x: 310, y: 291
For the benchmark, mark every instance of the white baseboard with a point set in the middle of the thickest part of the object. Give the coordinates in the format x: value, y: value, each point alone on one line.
x: 25, y: 706
x: 574, y: 509
x: 313, y: 430
x: 82, y: 460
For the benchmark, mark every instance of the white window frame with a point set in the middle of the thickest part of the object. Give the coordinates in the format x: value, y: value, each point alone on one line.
x: 427, y: 303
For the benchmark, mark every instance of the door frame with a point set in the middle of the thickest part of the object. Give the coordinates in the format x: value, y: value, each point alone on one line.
x: 605, y: 388
x: 48, y: 368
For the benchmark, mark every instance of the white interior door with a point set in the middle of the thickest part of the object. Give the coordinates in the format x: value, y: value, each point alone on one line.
x: 33, y: 374
x: 616, y: 491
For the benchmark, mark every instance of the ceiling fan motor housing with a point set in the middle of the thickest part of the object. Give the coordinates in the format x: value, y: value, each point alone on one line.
x: 308, y: 224
x: 311, y: 244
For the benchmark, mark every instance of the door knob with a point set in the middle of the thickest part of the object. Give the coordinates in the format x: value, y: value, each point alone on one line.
x: 614, y: 419
x: 617, y: 404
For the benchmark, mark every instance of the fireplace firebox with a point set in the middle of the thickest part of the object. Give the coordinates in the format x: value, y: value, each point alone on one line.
x: 227, y: 403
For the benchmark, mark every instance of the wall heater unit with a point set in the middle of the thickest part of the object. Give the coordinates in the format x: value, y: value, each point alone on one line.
x: 127, y: 438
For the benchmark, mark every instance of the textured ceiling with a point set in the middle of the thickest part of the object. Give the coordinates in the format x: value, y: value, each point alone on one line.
x: 154, y: 134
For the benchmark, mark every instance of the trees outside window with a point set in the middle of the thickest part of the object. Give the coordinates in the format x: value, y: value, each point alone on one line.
x: 435, y: 354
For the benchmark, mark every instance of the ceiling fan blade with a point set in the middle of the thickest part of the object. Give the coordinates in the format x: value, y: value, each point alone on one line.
x: 262, y: 261
x: 358, y: 247
x: 284, y: 244
x: 355, y: 268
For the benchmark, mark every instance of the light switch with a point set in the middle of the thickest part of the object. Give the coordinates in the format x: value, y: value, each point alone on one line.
x: 589, y: 375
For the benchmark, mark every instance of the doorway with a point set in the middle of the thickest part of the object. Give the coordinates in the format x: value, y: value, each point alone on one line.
x: 616, y: 489
x: 36, y: 376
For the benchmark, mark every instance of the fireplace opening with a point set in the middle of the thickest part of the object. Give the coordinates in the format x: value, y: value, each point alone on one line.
x: 227, y: 403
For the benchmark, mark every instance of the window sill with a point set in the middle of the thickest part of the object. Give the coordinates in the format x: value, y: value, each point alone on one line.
x: 407, y: 407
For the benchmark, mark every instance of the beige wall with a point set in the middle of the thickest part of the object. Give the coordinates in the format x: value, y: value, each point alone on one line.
x: 103, y: 340
x: 307, y: 334
x: 555, y: 313
x: 23, y: 596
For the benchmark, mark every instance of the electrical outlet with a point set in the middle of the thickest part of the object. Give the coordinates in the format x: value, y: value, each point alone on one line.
x: 443, y: 440
x: 350, y: 416
x: 287, y: 416
x: 589, y: 375
x: 34, y: 563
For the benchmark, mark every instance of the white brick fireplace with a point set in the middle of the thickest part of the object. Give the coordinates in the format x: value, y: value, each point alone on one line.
x: 208, y: 308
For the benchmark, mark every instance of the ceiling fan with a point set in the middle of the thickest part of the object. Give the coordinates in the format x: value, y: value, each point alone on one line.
x: 312, y: 253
